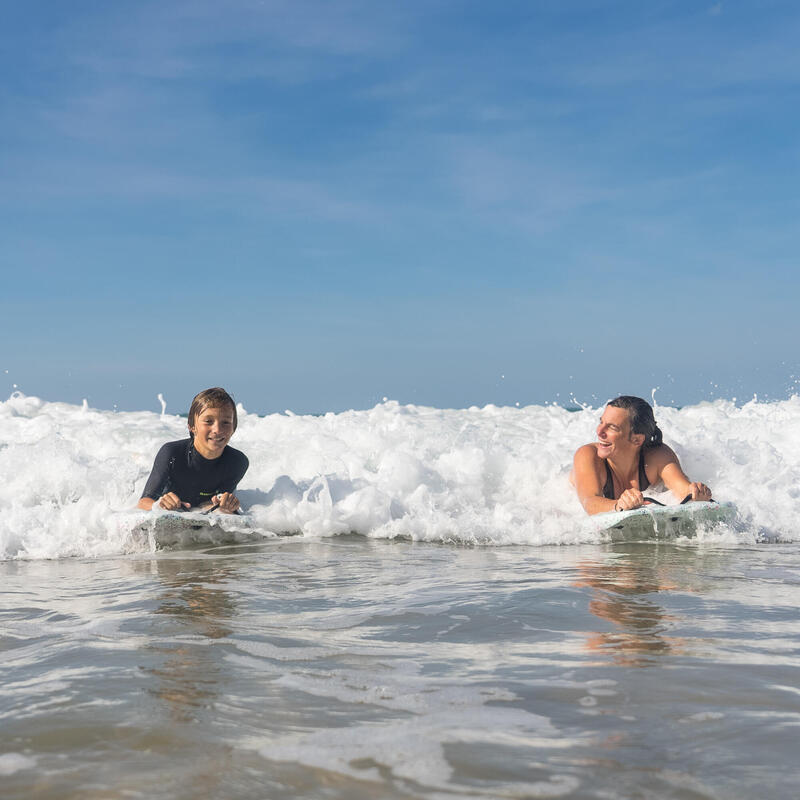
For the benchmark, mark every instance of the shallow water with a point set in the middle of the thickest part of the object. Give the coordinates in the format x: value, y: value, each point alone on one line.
x: 348, y: 667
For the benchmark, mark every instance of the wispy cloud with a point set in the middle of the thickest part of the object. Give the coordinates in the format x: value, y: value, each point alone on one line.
x: 520, y: 189
x: 285, y: 40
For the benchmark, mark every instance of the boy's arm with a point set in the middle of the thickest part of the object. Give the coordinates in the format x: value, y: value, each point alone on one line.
x: 169, y: 502
x: 155, y: 490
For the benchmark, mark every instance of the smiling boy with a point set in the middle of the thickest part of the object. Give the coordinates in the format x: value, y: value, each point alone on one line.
x: 201, y: 471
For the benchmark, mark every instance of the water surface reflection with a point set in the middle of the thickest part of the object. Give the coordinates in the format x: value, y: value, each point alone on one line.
x: 624, y: 593
x: 194, y: 608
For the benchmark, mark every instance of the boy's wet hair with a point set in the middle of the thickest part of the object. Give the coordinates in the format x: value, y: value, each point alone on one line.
x: 641, y: 418
x: 211, y: 398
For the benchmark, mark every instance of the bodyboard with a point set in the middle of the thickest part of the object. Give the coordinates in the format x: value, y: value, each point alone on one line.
x: 652, y: 522
x: 172, y: 530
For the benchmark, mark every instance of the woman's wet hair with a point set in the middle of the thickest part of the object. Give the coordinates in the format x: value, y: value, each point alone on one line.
x: 641, y: 417
x: 211, y: 398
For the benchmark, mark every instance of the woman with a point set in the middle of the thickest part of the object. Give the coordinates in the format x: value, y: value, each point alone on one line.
x: 629, y: 456
x: 201, y: 471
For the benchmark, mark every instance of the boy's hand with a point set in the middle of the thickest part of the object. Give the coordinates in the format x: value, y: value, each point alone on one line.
x: 228, y: 503
x: 171, y: 502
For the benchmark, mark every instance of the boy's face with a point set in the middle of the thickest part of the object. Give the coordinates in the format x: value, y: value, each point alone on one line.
x: 213, y: 428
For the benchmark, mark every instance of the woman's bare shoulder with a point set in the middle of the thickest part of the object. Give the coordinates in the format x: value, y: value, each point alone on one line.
x: 661, y: 455
x: 586, y: 454
x: 587, y: 451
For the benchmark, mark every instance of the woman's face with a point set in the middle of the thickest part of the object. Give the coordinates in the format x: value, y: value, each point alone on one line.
x: 614, y: 433
x: 213, y: 428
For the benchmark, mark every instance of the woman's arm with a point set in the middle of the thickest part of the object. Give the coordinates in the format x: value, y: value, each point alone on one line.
x: 587, y: 484
x: 675, y: 479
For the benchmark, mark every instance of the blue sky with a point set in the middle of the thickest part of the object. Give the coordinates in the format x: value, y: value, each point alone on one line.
x: 321, y: 204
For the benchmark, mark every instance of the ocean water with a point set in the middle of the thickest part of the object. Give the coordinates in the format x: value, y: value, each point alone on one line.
x: 443, y: 622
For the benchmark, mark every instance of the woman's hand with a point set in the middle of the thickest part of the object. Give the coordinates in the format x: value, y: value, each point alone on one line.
x: 699, y: 491
x: 171, y: 502
x: 628, y: 500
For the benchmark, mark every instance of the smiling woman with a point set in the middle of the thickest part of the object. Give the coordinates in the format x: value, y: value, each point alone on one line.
x: 612, y: 473
x: 201, y: 471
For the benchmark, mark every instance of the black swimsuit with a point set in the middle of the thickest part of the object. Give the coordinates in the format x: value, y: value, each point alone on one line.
x: 181, y: 469
x: 608, y: 489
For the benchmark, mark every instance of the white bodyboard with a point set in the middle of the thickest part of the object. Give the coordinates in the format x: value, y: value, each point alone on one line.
x: 652, y: 522
x: 172, y: 530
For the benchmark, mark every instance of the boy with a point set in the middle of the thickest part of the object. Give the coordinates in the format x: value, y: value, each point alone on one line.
x: 200, y: 472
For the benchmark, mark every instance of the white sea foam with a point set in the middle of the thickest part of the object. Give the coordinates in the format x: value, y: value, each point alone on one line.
x: 15, y: 762
x: 479, y: 475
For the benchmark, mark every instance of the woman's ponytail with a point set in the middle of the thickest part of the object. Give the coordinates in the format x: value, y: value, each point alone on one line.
x: 641, y: 417
x: 656, y: 438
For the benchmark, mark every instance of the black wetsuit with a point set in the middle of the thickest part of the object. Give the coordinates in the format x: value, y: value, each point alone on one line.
x: 181, y: 469
x: 608, y: 489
